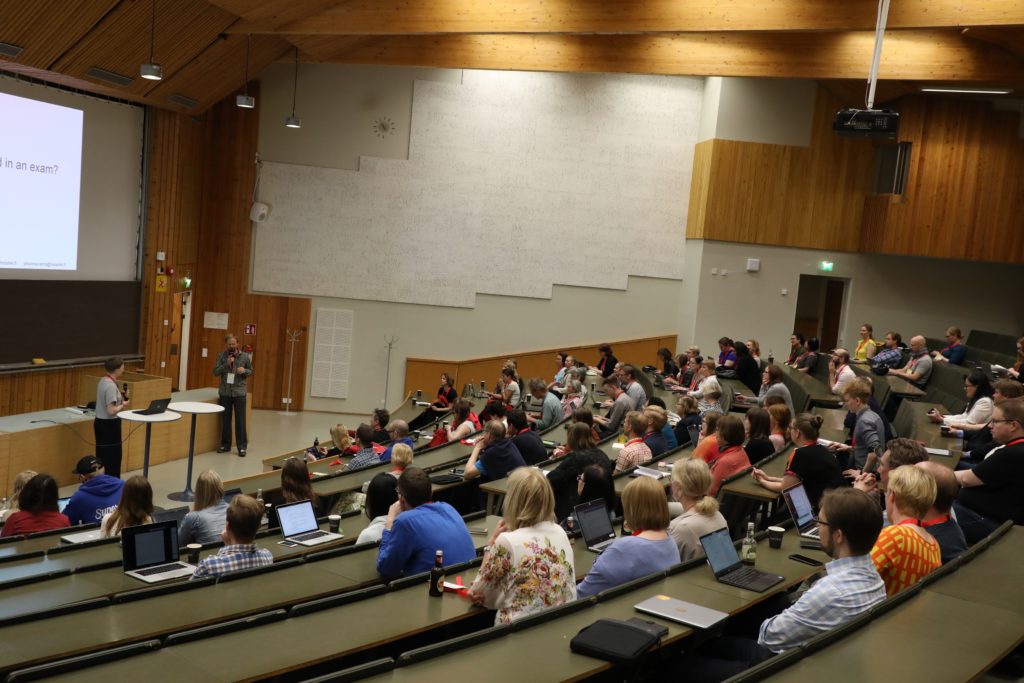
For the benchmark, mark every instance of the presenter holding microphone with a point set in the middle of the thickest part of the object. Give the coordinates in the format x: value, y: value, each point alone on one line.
x: 233, y: 367
x: 107, y: 427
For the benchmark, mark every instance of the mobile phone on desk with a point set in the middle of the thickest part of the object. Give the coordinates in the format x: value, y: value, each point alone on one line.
x: 803, y: 559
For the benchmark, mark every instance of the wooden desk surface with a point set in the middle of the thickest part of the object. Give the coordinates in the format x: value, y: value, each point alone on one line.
x: 746, y: 487
x: 993, y: 577
x: 832, y: 427
x: 818, y: 391
x: 897, y: 385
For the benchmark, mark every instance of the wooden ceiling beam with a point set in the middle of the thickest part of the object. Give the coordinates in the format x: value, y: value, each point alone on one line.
x: 372, y: 17
x: 927, y: 55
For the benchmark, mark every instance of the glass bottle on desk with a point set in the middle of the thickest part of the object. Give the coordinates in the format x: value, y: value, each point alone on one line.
x: 748, y: 551
x: 437, y: 575
x: 259, y: 499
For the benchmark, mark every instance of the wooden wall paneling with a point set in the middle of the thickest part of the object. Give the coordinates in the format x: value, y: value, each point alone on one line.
x: 425, y: 376
x: 29, y: 392
x: 54, y: 449
x: 6, y: 479
x: 696, y: 215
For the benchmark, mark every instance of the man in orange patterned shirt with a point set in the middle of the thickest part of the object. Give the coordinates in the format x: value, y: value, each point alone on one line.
x: 904, y: 552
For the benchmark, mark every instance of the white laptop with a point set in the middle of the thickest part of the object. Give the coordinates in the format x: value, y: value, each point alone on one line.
x: 298, y: 524
x: 595, y: 525
x: 680, y: 611
x: 82, y: 536
x: 803, y: 514
x: 150, y: 552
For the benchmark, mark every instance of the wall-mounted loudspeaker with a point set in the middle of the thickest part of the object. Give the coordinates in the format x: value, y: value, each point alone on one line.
x: 259, y: 212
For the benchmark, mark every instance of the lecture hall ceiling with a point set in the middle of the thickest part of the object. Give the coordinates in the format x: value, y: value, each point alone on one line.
x: 201, y: 44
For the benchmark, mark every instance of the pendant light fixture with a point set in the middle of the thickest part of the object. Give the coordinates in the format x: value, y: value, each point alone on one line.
x: 152, y: 71
x: 245, y: 100
x: 294, y: 121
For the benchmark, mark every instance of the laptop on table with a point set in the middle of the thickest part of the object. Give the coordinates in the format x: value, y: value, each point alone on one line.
x: 726, y: 565
x: 681, y: 611
x: 150, y: 552
x: 155, y: 407
x: 298, y: 524
x: 595, y: 525
x: 172, y: 514
x: 803, y: 514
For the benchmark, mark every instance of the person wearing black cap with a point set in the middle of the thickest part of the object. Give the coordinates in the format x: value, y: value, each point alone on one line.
x: 98, y: 494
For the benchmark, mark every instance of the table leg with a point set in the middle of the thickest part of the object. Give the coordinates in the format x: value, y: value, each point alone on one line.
x: 145, y: 458
x: 187, y: 496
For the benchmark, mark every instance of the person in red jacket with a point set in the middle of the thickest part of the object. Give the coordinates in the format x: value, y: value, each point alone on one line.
x: 37, y: 511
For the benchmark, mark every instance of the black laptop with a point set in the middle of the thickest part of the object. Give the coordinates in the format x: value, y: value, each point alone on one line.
x: 595, y: 525
x: 155, y: 407
x: 726, y: 565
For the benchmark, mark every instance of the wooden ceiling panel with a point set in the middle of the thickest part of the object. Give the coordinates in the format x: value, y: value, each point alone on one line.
x: 325, y: 48
x: 219, y: 70
x: 120, y: 43
x: 44, y: 29
x: 275, y: 13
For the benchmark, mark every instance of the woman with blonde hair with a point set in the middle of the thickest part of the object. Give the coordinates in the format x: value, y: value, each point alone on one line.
x: 135, y: 508
x: 206, y: 521
x: 528, y: 564
x: 401, y: 457
x: 649, y: 549
x: 691, y: 479
x: 19, y: 484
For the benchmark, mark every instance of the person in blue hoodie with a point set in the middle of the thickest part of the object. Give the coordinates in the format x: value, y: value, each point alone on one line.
x: 494, y: 455
x: 98, y: 494
x: 398, y: 430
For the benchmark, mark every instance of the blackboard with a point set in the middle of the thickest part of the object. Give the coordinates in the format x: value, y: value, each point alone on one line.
x: 61, y: 319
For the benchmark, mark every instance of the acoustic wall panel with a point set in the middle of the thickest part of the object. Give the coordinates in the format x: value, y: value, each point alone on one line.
x: 332, y: 353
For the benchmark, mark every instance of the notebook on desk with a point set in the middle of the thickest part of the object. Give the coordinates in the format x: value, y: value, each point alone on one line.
x: 150, y: 552
x: 801, y: 511
x: 727, y: 568
x: 298, y: 524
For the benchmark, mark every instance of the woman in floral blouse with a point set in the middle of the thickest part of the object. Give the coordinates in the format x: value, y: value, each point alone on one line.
x: 528, y: 564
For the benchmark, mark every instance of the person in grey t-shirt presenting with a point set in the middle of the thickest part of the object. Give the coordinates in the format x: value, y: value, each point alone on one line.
x: 234, y: 367
x: 107, y: 427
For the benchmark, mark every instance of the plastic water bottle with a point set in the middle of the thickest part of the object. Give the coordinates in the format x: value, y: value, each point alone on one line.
x: 259, y: 499
x: 748, y: 551
x: 771, y: 357
x: 437, y: 575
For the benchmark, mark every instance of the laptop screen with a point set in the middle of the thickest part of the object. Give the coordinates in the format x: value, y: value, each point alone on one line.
x: 720, y: 551
x: 799, y: 506
x: 176, y: 514
x: 149, y: 544
x: 62, y: 503
x: 594, y: 522
x: 296, y: 518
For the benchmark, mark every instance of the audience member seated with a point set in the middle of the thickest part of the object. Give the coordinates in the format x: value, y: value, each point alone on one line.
x: 748, y: 370
x: 401, y: 457
x: 756, y: 424
x: 295, y: 484
x: 706, y: 447
x: 582, y: 452
x: 563, y: 362
x: 635, y: 452
x: 731, y: 458
x: 134, y: 508
x: 442, y: 405
x: 657, y: 418
x: 978, y: 440
x: 19, y: 484
x: 621, y: 404
x: 416, y: 528
x: 381, y: 494
x: 37, y: 509
x: 993, y: 491
x: 366, y: 456
x: 938, y: 521
x: 689, y: 418
x: 633, y: 388
x: 866, y: 346
x: 711, y: 402
x: 810, y: 464
x: 242, y: 521
x: 849, y: 523
x: 807, y: 362
x: 528, y: 563
x: 868, y: 432
x: 954, y: 353
x: 772, y: 385
x: 898, y: 452
x: 97, y: 495
x: 666, y: 428
x: 606, y: 365
x: 691, y: 479
x: 596, y: 483
x: 398, y: 430
x: 689, y: 377
x: 918, y: 369
x: 668, y: 363
x: 205, y: 522
x: 508, y: 394
x: 890, y: 355
x: 755, y: 351
x: 461, y: 426
x: 551, y: 407
x: 527, y: 442
x: 706, y: 380
x: 850, y: 421
x: 726, y: 357
x: 494, y: 454
x: 904, y: 552
x: 647, y: 550
x: 378, y: 423
x: 980, y: 405
x: 840, y: 374
x: 342, y: 443
x: 779, y: 419
x: 1018, y: 365
x: 572, y: 397
x: 796, y: 348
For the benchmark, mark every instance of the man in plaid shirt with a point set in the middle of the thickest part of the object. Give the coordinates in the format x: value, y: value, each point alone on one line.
x: 239, y: 552
x: 366, y: 457
x: 891, y: 356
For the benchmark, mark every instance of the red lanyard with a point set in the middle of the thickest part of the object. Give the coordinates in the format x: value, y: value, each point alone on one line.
x: 119, y: 392
x: 912, y: 522
x: 522, y: 431
x: 942, y: 519
x: 1016, y: 441
x: 632, y: 441
x: 649, y: 433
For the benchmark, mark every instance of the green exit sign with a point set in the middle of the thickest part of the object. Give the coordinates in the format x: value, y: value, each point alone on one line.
x: 826, y: 266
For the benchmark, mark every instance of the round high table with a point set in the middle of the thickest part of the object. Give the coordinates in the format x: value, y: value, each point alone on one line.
x: 192, y: 408
x: 136, y: 416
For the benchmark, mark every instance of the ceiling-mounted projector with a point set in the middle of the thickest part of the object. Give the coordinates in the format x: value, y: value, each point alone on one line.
x: 867, y: 123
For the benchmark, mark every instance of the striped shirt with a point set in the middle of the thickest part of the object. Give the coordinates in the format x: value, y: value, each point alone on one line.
x: 851, y: 587
x: 233, y: 558
x: 903, y: 557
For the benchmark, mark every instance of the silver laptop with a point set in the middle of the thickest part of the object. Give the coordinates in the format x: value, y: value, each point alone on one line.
x: 727, y: 568
x: 595, y: 525
x: 298, y: 524
x: 82, y: 536
x: 800, y: 509
x: 680, y: 611
x: 150, y: 552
